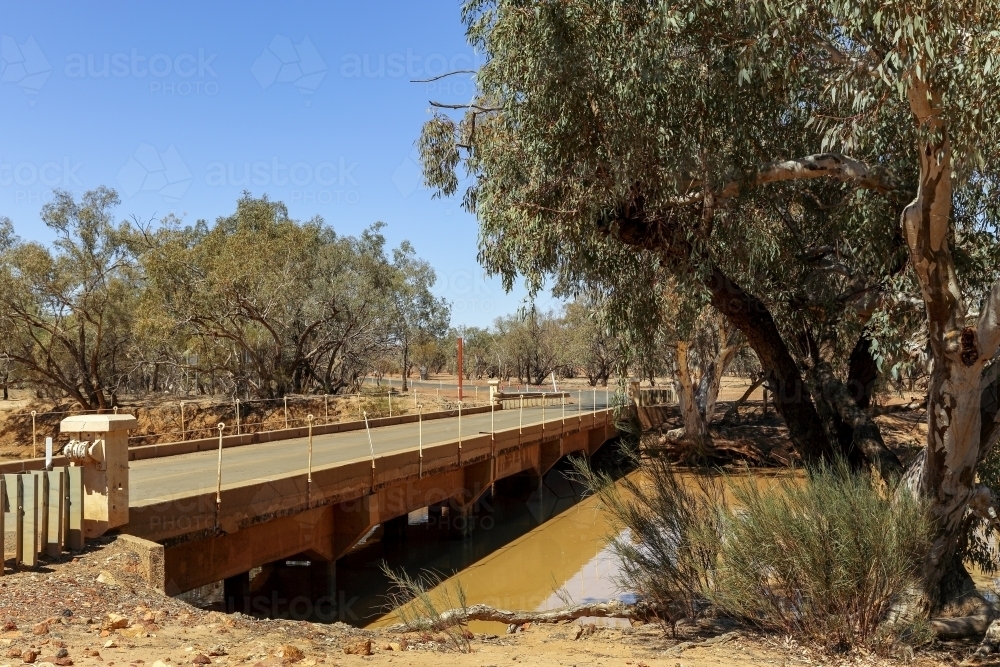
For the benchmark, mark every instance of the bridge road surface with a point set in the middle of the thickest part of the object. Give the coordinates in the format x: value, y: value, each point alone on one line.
x: 170, y: 477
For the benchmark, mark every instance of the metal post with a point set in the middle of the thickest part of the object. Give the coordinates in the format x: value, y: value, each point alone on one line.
x: 543, y: 414
x: 563, y: 398
x: 520, y: 415
x: 461, y: 366
x: 371, y: 446
x: 237, y: 416
x: 309, y: 474
x: 326, y: 408
x: 493, y: 449
x: 34, y: 452
x: 390, y: 401
x: 420, y: 437
x: 286, y: 411
x: 218, y: 480
x: 183, y: 429
x: 460, y: 431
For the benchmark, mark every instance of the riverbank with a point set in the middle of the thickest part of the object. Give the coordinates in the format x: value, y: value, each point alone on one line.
x: 96, y: 610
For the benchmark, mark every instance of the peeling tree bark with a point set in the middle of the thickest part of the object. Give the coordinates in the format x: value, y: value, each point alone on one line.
x: 695, y: 428
x: 710, y: 383
x: 947, y: 477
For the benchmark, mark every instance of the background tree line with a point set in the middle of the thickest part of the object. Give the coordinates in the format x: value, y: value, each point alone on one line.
x: 258, y: 305
x: 255, y: 305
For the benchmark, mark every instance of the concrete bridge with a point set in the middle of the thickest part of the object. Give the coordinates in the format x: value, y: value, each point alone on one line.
x: 277, y: 502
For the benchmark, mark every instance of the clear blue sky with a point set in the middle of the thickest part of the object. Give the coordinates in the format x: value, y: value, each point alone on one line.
x: 181, y: 106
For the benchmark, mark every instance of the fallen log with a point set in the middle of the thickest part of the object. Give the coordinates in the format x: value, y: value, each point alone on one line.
x: 483, y: 612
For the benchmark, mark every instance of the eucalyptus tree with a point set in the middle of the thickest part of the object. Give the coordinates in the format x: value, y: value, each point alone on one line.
x: 282, y: 306
x: 592, y: 347
x: 418, y: 317
x: 808, y: 149
x: 66, y: 311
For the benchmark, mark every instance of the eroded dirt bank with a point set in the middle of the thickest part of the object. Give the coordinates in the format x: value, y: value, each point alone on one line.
x: 96, y: 610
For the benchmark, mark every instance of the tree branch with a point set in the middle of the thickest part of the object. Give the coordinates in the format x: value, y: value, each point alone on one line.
x: 821, y: 165
x: 483, y: 612
x: 441, y: 76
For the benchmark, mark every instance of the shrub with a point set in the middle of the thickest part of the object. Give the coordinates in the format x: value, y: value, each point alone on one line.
x: 412, y: 602
x: 827, y: 558
x: 664, y: 534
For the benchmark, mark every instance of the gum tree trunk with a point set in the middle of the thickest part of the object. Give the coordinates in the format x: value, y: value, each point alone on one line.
x: 947, y: 475
x: 695, y: 428
x: 791, y: 398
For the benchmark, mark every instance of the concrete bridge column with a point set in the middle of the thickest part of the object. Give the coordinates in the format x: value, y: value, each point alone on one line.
x: 236, y: 592
x: 394, y: 530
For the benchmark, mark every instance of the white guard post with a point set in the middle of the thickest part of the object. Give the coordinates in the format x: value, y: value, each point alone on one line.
x: 99, y: 445
x: 494, y: 390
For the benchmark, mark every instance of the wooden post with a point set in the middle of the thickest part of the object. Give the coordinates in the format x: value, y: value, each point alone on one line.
x: 42, y: 484
x: 14, y: 510
x: 3, y: 503
x: 54, y: 535
x: 29, y: 517
x: 74, y: 528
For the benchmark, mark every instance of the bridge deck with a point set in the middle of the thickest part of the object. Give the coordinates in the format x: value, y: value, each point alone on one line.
x: 157, y: 480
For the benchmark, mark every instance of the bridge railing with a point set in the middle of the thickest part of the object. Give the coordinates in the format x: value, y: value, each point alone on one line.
x: 195, y: 419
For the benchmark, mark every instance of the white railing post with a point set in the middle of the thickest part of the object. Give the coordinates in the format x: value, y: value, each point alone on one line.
x: 34, y: 448
x: 326, y: 408
x: 183, y: 428
x: 309, y: 473
x: 389, y: 394
x: 237, y: 416
x: 520, y: 416
x: 371, y: 446
x: 420, y: 438
x: 286, y: 412
x: 218, y: 479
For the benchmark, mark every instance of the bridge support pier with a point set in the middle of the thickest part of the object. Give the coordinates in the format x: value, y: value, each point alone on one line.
x: 394, y: 530
x: 236, y: 592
